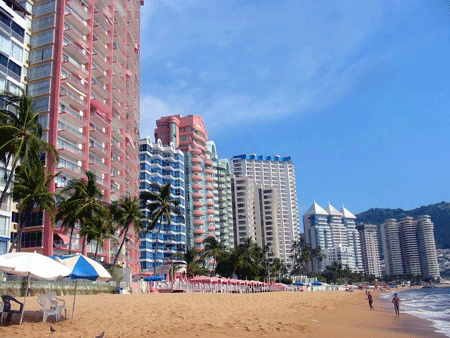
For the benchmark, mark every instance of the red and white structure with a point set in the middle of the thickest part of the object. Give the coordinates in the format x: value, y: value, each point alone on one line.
x: 84, y: 76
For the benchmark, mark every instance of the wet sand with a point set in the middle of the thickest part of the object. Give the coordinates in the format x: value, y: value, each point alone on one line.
x: 278, y: 314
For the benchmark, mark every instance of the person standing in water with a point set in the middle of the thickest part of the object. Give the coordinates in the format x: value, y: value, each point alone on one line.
x: 370, y: 299
x: 396, y: 302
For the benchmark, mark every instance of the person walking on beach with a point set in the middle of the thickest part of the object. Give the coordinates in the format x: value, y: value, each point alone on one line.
x: 396, y: 302
x: 370, y: 299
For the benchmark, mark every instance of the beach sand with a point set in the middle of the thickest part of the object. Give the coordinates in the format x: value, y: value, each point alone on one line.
x: 278, y: 314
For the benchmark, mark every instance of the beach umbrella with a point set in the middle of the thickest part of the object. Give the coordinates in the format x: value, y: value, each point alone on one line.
x: 32, y: 265
x: 316, y: 283
x: 299, y: 283
x: 153, y: 278
x: 83, y: 267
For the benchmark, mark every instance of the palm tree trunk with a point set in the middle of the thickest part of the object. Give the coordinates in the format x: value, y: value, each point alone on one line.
x: 120, y: 248
x: 70, y: 241
x: 156, y: 249
x: 96, y: 250
x: 18, y: 239
x: 8, y: 182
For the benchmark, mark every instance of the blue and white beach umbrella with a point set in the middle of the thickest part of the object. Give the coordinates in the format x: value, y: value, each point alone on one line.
x: 83, y: 267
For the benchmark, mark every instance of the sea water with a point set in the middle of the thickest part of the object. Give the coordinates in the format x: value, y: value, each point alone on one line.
x: 432, y: 304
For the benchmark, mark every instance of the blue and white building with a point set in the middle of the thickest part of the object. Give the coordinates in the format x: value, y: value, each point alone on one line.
x: 160, y: 165
x: 13, y: 23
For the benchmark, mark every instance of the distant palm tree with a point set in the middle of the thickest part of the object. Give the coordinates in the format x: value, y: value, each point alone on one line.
x: 20, y: 134
x: 31, y: 191
x: 98, y: 229
x: 126, y: 213
x: 160, y: 206
x: 213, y: 248
x: 83, y: 204
x: 193, y: 262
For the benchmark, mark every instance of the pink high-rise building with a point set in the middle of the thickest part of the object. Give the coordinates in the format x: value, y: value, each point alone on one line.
x: 189, y: 135
x: 84, y: 76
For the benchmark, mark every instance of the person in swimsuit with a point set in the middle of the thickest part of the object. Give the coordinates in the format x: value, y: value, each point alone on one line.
x: 396, y: 302
x: 370, y: 299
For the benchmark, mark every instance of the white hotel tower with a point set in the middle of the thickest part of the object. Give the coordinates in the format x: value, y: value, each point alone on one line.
x: 335, y: 233
x: 263, y: 172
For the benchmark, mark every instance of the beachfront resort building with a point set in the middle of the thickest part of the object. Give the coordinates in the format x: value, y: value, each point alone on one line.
x: 409, y: 247
x: 160, y: 165
x: 13, y: 53
x: 253, y: 175
x: 368, y: 237
x: 335, y: 233
x: 189, y: 135
x: 84, y: 77
x: 223, y: 211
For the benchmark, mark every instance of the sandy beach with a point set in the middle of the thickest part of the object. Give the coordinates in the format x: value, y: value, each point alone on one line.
x: 277, y: 314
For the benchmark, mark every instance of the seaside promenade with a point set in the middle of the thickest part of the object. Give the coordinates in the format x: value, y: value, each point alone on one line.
x: 274, y: 314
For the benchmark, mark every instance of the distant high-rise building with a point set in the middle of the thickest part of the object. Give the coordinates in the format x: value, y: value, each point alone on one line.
x: 390, y: 238
x: 189, y: 135
x: 223, y: 212
x: 427, y: 247
x: 84, y: 76
x: 368, y: 235
x: 278, y: 173
x: 335, y: 233
x: 161, y: 165
x: 409, y: 247
x: 243, y: 209
x: 13, y: 25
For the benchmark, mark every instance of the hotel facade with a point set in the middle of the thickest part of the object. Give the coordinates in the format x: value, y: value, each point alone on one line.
x: 335, y: 233
x: 189, y: 135
x: 84, y: 77
x: 281, y: 222
x: 160, y: 165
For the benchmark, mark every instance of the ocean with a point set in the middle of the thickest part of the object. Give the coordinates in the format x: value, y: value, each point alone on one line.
x: 432, y: 304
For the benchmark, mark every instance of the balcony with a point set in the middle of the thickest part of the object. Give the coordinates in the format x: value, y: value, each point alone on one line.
x: 80, y: 54
x: 100, y: 88
x: 98, y: 72
x: 71, y: 116
x: 69, y: 169
x: 70, y: 99
x: 100, y: 59
x: 76, y: 20
x: 196, y: 178
x: 73, y: 33
x: 100, y: 134
x: 97, y: 148
x: 101, y: 31
x: 81, y: 8
x: 70, y: 133
x: 99, y: 119
x: 101, y: 45
x: 71, y: 83
x: 69, y: 150
x: 97, y: 164
x: 73, y: 66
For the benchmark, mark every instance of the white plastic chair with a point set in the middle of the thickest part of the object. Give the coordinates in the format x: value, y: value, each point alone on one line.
x: 60, y: 302
x: 48, y: 307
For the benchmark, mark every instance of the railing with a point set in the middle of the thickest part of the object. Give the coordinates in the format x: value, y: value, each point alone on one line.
x: 74, y: 13
x: 63, y: 126
x: 65, y: 109
x: 75, y: 30
x: 70, y: 42
x: 67, y: 58
x: 97, y: 145
x: 62, y: 163
x: 73, y: 96
x: 96, y: 160
x: 65, y: 75
x: 61, y: 144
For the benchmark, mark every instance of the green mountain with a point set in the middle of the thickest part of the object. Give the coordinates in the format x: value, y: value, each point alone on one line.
x: 439, y: 213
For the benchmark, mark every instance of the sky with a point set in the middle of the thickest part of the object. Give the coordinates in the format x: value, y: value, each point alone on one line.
x: 356, y: 92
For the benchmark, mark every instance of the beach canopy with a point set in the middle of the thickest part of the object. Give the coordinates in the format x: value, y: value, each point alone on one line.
x: 153, y: 278
x: 316, y: 283
x: 299, y: 284
x: 32, y: 265
x: 82, y: 267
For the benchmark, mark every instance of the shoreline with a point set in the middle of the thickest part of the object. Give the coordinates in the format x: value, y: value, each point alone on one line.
x: 190, y: 315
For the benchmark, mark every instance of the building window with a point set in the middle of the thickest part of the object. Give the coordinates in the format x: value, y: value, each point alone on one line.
x: 4, y: 226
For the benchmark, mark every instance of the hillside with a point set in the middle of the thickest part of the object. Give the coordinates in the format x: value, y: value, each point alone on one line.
x: 439, y: 213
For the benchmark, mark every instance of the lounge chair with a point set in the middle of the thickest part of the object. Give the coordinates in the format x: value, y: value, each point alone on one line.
x: 61, y: 304
x: 7, y: 307
x: 48, y: 307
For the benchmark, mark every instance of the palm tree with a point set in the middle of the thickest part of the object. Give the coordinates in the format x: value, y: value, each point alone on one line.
x: 126, y: 213
x: 20, y: 131
x: 161, y: 207
x: 193, y: 262
x: 31, y: 190
x: 98, y: 229
x: 82, y: 205
x: 214, y: 249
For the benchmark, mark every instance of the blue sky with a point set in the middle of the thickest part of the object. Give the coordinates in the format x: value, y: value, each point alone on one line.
x: 356, y: 92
